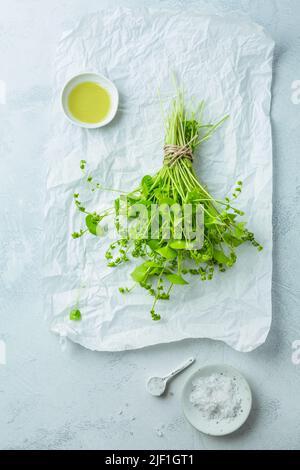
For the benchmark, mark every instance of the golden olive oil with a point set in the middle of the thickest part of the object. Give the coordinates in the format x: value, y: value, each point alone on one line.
x: 89, y: 102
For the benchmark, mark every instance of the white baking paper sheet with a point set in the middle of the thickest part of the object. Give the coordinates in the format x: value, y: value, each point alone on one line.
x: 227, y: 61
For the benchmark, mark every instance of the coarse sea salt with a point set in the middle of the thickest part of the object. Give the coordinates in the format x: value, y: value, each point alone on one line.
x: 216, y: 397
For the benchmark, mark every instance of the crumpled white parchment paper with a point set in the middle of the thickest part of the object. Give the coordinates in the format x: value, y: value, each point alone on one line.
x: 227, y: 62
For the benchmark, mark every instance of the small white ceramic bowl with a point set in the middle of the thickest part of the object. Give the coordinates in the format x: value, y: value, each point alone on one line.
x: 214, y: 427
x: 103, y: 82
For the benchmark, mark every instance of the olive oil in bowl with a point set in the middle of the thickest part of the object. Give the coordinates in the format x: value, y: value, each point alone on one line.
x: 89, y: 102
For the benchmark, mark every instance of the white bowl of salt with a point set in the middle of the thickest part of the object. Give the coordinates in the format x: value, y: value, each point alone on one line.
x: 217, y: 400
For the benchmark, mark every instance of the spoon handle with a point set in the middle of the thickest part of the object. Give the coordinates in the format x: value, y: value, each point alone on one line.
x: 179, y: 369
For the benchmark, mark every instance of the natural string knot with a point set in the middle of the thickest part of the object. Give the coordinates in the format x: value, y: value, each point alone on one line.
x: 172, y: 153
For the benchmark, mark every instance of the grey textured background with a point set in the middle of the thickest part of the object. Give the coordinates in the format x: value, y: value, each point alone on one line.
x: 64, y: 397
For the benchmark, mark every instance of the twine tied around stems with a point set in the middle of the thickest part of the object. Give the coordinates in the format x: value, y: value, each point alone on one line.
x: 172, y: 153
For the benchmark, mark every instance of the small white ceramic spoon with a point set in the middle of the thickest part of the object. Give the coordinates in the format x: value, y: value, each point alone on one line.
x: 157, y: 385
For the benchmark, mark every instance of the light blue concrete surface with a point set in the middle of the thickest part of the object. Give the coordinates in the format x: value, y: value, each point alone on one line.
x: 68, y: 398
